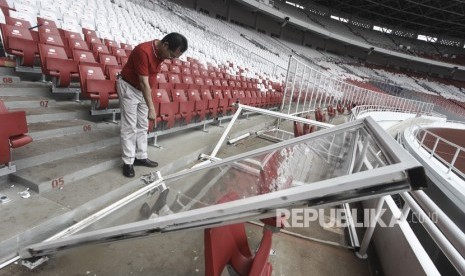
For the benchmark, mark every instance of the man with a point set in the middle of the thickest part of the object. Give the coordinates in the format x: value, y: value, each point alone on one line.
x: 134, y: 88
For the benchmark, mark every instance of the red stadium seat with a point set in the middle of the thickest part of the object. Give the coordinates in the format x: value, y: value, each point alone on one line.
x: 19, y: 42
x: 186, y: 107
x: 108, y: 62
x: 212, y: 104
x: 84, y: 57
x: 12, y: 133
x: 168, y: 111
x: 200, y: 104
x: 95, y: 86
x: 55, y: 63
x: 186, y: 71
x: 118, y: 53
x: 98, y: 49
x: 46, y: 22
x: 228, y: 245
x: 175, y: 69
x: 222, y: 102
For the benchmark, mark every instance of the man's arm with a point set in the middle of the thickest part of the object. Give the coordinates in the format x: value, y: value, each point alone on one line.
x: 147, y: 92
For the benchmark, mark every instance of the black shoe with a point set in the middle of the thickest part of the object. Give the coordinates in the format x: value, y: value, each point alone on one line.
x: 128, y: 170
x: 145, y: 162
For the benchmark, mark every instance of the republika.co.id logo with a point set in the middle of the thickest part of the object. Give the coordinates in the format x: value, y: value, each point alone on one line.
x: 303, y: 217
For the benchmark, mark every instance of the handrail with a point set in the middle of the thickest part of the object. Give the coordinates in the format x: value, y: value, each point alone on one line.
x: 415, y: 131
x: 361, y: 109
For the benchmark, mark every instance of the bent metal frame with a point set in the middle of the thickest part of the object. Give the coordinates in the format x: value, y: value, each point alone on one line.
x: 400, y: 173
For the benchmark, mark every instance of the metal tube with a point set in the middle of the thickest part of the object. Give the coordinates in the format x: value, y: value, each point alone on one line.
x: 226, y: 131
x: 362, y: 252
x: 446, y: 247
x: 444, y: 223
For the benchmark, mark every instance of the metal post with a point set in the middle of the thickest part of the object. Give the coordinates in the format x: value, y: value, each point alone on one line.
x: 306, y: 89
x: 434, y: 148
x: 453, y: 160
x: 300, y: 89
x: 362, y: 252
x: 226, y: 131
x: 292, y: 89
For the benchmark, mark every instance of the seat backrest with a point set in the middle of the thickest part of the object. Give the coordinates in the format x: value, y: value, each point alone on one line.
x: 194, y: 95
x: 227, y: 94
x: 195, y: 72
x: 72, y: 35
x: 89, y: 33
x: 51, y: 39
x: 187, y: 79
x: 199, y: 81
x: 208, y: 81
x: 217, y: 94
x: 178, y: 95
x: 161, y: 96
x: 206, y: 94
x: 83, y: 56
x: 106, y: 60
x: 46, y: 22
x: 173, y: 78
x: 110, y: 43
x: 161, y: 78
x: 14, y: 31
x: 89, y: 72
x: 126, y: 46
x: 186, y: 71
x: 48, y: 30
x: 77, y: 43
x: 17, y: 22
x: 116, y: 51
x: 51, y: 51
x: 175, y: 69
x: 99, y: 49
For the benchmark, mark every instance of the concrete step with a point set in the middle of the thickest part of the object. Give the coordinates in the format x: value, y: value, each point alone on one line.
x: 27, y: 102
x: 22, y: 218
x: 25, y: 89
x: 46, y: 150
x: 66, y: 111
x: 59, y: 208
x: 50, y: 129
x: 61, y: 172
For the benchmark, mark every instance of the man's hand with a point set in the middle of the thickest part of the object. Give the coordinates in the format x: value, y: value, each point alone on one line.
x: 152, y: 116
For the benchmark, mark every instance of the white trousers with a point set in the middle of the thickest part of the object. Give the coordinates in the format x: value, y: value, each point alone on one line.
x: 134, y: 122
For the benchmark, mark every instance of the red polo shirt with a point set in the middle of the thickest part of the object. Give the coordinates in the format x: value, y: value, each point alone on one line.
x: 142, y: 61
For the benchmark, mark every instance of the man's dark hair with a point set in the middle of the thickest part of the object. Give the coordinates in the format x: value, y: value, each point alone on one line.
x: 175, y: 41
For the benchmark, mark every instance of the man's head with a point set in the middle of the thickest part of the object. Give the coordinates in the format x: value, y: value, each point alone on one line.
x: 173, y: 45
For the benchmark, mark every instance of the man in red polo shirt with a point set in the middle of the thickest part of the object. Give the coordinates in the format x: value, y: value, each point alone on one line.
x: 135, y: 95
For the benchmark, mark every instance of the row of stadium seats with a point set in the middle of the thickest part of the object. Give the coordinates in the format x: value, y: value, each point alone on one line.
x: 183, y: 106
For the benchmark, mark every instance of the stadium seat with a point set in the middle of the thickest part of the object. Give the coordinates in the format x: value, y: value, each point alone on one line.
x: 95, y: 86
x: 186, y: 107
x: 200, y: 104
x: 12, y: 133
x: 212, y: 104
x: 109, y: 62
x: 168, y: 111
x: 84, y: 57
x: 222, y: 102
x: 55, y: 63
x: 19, y: 42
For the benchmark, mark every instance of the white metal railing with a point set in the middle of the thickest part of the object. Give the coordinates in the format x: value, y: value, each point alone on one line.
x: 361, y: 109
x: 307, y: 89
x: 420, y: 135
